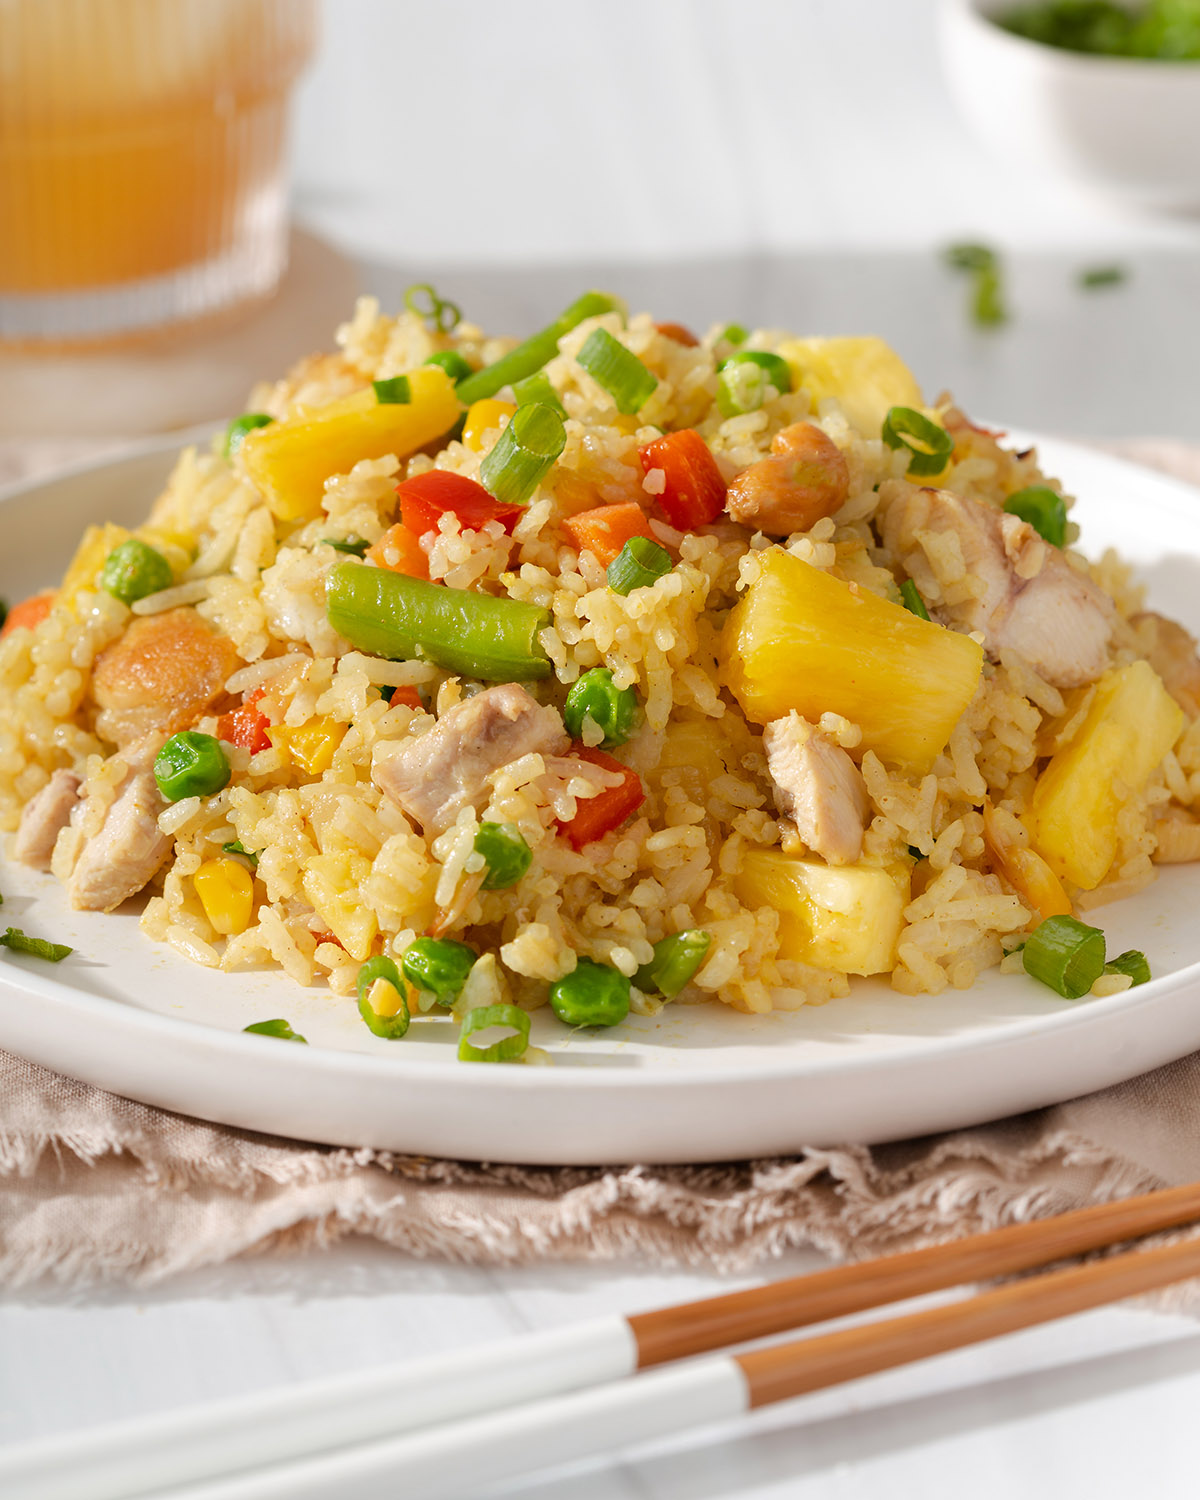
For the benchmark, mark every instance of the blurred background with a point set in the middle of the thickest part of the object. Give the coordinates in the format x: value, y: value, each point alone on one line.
x: 799, y: 163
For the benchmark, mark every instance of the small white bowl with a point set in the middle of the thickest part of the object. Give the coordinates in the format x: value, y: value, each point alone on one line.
x: 1125, y: 127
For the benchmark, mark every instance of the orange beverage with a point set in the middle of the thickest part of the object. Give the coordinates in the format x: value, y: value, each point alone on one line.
x: 141, y: 159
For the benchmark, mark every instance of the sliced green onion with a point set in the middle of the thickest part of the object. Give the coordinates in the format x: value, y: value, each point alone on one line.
x: 912, y: 599
x: 476, y: 635
x: 617, y: 370
x: 595, y: 696
x: 508, y: 855
x: 437, y: 311
x: 676, y: 959
x: 536, y: 390
x: 133, y: 570
x: 191, y: 764
x: 277, y: 1028
x: 929, y: 444
x: 524, y: 454
x: 987, y: 302
x: 1097, y: 276
x: 355, y: 545
x: 439, y: 966
x: 237, y: 847
x: 734, y: 333
x: 1044, y: 509
x: 639, y: 563
x: 15, y: 939
x: 1066, y: 954
x: 454, y: 364
x: 970, y: 257
x: 483, y: 1018
x: 241, y: 427
x: 1131, y: 962
x: 536, y: 351
x: 379, y: 978
x: 394, y: 392
x: 591, y: 994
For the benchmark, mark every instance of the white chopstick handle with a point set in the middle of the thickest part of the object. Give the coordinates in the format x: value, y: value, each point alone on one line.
x: 284, y: 1424
x: 460, y: 1458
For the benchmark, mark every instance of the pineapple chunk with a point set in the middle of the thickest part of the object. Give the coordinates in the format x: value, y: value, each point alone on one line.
x: 801, y: 639
x: 290, y: 461
x: 334, y: 884
x: 846, y: 918
x: 864, y: 375
x: 1072, y: 820
x: 90, y: 556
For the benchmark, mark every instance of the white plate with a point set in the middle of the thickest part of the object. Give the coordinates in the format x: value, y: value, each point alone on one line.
x: 697, y: 1083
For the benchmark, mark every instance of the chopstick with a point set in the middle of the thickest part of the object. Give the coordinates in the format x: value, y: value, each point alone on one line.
x: 279, y: 1426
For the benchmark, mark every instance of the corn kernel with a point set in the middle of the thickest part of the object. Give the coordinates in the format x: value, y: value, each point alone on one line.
x: 312, y: 746
x: 482, y: 418
x: 226, y: 891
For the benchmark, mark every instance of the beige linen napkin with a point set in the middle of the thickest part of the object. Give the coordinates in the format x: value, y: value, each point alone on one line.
x: 93, y: 1186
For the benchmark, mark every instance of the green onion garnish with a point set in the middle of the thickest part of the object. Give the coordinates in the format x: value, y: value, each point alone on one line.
x: 237, y: 847
x: 355, y: 545
x: 394, y: 392
x: 676, y: 959
x: 536, y: 390
x: 595, y: 696
x: 616, y: 370
x: 1066, y: 954
x: 437, y: 311
x: 734, y: 333
x: 240, y: 427
x: 536, y: 351
x: 439, y: 966
x: 1044, y: 509
x: 482, y: 1018
x: 277, y: 1028
x: 744, y: 379
x: 1130, y: 962
x: 15, y: 939
x: 1098, y: 276
x: 379, y: 982
x: 452, y: 362
x: 987, y: 304
x: 524, y: 454
x: 970, y: 257
x: 639, y: 563
x: 591, y: 994
x: 912, y: 599
x: 508, y: 855
x: 929, y: 444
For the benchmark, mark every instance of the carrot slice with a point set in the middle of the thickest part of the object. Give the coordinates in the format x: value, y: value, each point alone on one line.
x: 605, y: 530
x: 399, y: 551
x: 30, y: 612
x: 596, y: 816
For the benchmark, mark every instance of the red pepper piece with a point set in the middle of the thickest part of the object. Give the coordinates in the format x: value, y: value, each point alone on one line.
x: 678, y: 333
x: 246, y: 726
x: 596, y: 816
x: 694, y: 493
x: 408, y: 696
x: 30, y: 612
x: 424, y: 497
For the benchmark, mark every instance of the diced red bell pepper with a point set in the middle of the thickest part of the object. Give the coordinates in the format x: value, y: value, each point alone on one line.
x: 408, y: 696
x: 30, y: 612
x: 694, y: 492
x: 424, y: 497
x: 246, y: 726
x: 678, y: 333
x: 596, y: 816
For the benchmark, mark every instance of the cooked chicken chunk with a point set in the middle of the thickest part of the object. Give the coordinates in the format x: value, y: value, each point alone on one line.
x: 1030, y: 600
x: 433, y: 778
x: 43, y: 819
x: 129, y: 849
x: 163, y: 673
x: 803, y: 480
x: 1172, y: 654
x: 819, y: 787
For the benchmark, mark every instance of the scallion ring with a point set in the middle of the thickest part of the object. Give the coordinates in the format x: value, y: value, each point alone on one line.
x: 423, y: 300
x: 1044, y: 509
x: 383, y: 998
x: 394, y: 392
x: 536, y: 390
x: 1131, y: 962
x: 1065, y: 954
x: 524, y: 454
x: 929, y: 444
x: 617, y: 370
x: 483, y: 1018
x: 639, y: 563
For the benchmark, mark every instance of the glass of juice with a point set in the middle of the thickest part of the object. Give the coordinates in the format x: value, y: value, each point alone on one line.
x: 141, y: 161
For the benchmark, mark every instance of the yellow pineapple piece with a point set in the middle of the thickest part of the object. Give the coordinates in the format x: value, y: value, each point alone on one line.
x: 290, y: 461
x: 334, y: 883
x: 90, y: 556
x: 801, y: 639
x: 846, y: 918
x: 864, y: 375
x: 1072, y: 820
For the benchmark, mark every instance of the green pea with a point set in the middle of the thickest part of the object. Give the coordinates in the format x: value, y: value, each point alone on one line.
x: 508, y: 855
x: 133, y: 570
x: 594, y: 696
x: 591, y: 995
x: 676, y: 959
x: 191, y: 764
x: 241, y: 427
x: 375, y: 969
x: 439, y: 966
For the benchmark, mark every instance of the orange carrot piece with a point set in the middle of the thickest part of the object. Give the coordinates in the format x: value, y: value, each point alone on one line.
x: 400, y: 551
x: 605, y: 530
x: 30, y: 612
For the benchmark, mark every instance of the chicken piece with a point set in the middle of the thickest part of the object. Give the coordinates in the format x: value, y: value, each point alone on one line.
x: 819, y: 787
x: 44, y: 817
x: 1172, y: 654
x: 433, y: 778
x: 1031, y: 601
x: 805, y: 479
x: 160, y: 676
x: 129, y: 848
